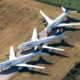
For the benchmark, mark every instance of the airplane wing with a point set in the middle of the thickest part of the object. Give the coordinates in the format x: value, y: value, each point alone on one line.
x: 12, y: 53
x: 30, y: 66
x: 34, y: 35
x: 49, y: 21
x: 63, y: 9
x: 68, y: 24
x: 48, y: 47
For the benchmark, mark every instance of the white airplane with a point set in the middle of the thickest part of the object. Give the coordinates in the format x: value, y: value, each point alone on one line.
x: 50, y: 24
x: 18, y: 62
x: 36, y: 42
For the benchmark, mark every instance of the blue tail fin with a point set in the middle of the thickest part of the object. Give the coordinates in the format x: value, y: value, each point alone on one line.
x: 38, y: 48
x: 68, y: 9
x: 59, y: 31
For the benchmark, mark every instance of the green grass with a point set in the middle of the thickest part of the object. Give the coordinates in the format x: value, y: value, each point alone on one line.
x: 75, y: 4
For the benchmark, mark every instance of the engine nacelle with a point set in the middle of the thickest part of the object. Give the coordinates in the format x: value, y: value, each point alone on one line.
x: 38, y: 36
x: 7, y: 54
x: 42, y: 18
x: 30, y: 35
x: 7, y: 59
x: 45, y: 23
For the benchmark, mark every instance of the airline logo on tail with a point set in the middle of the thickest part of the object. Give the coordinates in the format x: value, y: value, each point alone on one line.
x: 68, y: 7
x: 61, y: 30
x: 38, y: 48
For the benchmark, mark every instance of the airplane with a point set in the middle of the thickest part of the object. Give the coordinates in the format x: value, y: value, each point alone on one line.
x: 36, y: 42
x: 18, y: 62
x: 50, y: 24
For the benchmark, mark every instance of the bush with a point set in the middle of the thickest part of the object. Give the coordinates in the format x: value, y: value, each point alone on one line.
x: 77, y: 65
x: 73, y: 71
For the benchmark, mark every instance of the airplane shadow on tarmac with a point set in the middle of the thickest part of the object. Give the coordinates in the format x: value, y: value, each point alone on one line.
x: 69, y: 19
x: 62, y: 43
x: 33, y: 72
x: 54, y: 31
x: 57, y: 54
x: 54, y: 53
x: 27, y: 51
x: 40, y: 61
x: 8, y: 71
x: 13, y: 70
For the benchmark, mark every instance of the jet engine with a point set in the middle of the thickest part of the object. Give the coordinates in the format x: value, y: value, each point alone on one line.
x: 44, y: 21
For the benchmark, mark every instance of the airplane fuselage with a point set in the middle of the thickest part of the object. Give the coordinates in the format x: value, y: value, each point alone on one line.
x: 56, y: 22
x: 16, y: 61
x: 31, y: 44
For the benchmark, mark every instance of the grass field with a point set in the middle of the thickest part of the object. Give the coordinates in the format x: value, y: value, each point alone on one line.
x: 16, y: 23
x: 75, y: 4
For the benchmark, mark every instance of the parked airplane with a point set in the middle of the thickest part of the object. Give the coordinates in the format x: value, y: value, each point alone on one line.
x: 50, y: 24
x: 18, y: 62
x: 36, y: 42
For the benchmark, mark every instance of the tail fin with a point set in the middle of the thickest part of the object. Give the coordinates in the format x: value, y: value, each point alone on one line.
x: 34, y: 35
x: 59, y: 32
x: 38, y: 49
x: 67, y: 9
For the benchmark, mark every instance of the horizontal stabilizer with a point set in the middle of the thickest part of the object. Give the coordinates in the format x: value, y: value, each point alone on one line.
x: 30, y: 66
x: 48, y: 47
x: 71, y: 11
